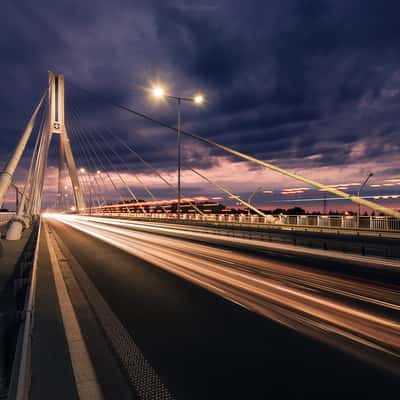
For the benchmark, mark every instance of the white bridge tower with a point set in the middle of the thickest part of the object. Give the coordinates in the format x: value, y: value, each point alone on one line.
x: 54, y: 124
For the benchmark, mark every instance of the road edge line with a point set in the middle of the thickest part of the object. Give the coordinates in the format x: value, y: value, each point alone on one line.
x: 85, y: 377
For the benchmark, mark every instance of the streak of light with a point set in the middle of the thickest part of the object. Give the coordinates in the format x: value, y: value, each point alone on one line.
x: 354, y: 315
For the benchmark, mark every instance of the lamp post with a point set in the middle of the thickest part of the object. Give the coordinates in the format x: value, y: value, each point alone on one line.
x: 17, y: 194
x: 251, y: 197
x: 197, y: 99
x: 369, y: 175
x: 83, y: 172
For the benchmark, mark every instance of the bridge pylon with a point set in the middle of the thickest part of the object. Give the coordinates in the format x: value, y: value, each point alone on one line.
x: 57, y: 126
x: 54, y: 124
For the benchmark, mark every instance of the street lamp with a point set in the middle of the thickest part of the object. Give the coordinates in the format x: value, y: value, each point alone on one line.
x: 17, y: 194
x: 251, y: 197
x: 198, y: 99
x: 83, y: 171
x: 369, y: 175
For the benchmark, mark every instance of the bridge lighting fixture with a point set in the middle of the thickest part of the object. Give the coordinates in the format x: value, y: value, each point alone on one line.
x: 198, y: 99
x: 368, y: 177
x: 83, y: 170
x: 73, y: 208
x: 98, y: 172
x: 158, y: 91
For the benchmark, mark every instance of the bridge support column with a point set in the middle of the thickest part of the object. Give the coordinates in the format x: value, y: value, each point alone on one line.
x: 57, y: 126
x: 14, y: 232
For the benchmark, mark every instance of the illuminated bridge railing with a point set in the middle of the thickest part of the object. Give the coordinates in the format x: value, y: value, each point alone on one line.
x: 346, y: 222
x: 5, y: 217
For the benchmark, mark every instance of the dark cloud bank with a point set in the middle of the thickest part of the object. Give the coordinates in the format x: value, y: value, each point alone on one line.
x: 284, y: 79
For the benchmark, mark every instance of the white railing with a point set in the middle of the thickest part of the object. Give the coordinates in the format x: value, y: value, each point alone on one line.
x: 350, y: 222
x: 5, y: 217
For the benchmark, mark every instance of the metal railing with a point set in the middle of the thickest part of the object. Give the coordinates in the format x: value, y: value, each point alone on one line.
x: 346, y: 222
x: 5, y: 217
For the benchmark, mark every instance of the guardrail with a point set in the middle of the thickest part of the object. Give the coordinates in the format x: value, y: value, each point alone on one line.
x: 5, y: 217
x: 21, y: 370
x: 347, y: 222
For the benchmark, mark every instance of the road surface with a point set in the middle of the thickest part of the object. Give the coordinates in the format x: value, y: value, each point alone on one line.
x: 222, y: 323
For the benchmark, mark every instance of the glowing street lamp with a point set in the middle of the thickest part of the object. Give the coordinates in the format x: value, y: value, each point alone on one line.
x: 158, y: 91
x: 198, y: 99
x: 369, y: 175
x: 251, y: 197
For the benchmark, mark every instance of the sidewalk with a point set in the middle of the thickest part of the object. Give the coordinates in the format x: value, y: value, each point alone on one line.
x: 71, y: 357
x: 52, y: 374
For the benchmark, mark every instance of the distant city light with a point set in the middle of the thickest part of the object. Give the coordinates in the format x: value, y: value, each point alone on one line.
x: 83, y: 170
x: 292, y: 191
x: 392, y: 180
x: 200, y: 198
x: 295, y: 189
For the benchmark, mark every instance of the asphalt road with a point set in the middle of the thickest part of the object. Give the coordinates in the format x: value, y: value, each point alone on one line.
x: 224, y: 324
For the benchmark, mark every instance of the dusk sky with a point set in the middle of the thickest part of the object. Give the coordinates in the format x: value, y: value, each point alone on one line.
x: 311, y: 86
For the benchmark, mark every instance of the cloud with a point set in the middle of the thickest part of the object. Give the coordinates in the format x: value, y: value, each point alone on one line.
x: 284, y: 80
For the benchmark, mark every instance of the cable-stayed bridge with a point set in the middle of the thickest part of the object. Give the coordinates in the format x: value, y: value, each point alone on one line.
x: 129, y: 287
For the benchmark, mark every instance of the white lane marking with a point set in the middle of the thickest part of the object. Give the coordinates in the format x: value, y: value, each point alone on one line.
x: 331, y: 254
x: 85, y: 376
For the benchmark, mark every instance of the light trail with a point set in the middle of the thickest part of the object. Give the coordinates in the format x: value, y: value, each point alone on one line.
x: 356, y: 316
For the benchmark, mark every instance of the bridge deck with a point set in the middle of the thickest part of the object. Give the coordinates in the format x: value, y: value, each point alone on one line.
x: 65, y: 332
x: 10, y: 252
x: 10, y: 255
x: 200, y: 344
x: 52, y: 375
x: 348, y: 241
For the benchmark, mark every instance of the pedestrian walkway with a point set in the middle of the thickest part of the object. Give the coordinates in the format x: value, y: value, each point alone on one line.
x: 51, y: 369
x: 71, y: 358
